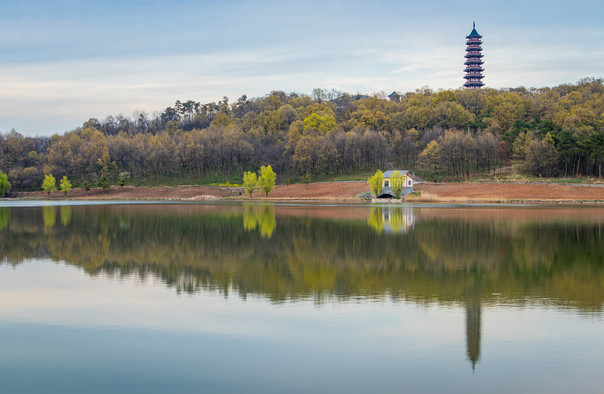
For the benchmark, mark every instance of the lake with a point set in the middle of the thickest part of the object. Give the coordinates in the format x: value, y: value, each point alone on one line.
x: 274, y: 298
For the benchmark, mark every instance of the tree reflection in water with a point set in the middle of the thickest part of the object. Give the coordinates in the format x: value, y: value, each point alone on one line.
x: 423, y: 255
x: 4, y: 217
x: 259, y: 216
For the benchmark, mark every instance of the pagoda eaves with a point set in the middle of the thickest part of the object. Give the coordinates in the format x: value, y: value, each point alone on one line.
x: 473, y: 61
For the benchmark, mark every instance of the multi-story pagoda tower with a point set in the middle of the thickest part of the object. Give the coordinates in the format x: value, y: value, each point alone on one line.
x: 474, y: 61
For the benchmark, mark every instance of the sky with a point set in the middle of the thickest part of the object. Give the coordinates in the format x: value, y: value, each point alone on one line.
x: 65, y: 61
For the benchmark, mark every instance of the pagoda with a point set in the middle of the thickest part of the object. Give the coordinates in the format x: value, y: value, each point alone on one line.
x: 474, y: 61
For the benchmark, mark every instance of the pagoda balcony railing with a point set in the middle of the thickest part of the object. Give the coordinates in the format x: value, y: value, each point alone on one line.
x: 470, y: 42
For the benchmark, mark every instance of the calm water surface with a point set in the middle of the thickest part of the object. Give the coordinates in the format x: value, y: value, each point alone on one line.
x: 259, y: 298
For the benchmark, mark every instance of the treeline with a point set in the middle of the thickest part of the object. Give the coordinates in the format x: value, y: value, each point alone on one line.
x: 555, y: 131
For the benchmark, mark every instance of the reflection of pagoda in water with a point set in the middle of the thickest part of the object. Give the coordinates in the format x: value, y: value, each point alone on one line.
x: 473, y: 322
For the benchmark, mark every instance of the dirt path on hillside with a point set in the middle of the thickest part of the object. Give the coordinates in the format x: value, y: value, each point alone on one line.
x: 350, y: 191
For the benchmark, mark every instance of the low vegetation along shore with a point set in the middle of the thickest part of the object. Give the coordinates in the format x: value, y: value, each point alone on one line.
x: 352, y: 191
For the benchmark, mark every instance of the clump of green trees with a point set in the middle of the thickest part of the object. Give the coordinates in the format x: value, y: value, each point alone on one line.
x: 123, y: 178
x: 65, y: 185
x: 265, y: 182
x: 396, y: 184
x: 5, y: 185
x: 557, y: 131
x: 375, y: 183
x: 49, y: 184
x: 250, y: 182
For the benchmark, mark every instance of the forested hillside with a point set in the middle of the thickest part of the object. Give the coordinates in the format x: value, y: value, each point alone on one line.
x: 555, y: 131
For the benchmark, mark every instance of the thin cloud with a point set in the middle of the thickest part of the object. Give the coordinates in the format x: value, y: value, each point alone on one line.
x: 64, y: 63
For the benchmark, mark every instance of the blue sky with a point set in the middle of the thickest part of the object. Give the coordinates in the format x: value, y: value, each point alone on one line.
x: 62, y: 62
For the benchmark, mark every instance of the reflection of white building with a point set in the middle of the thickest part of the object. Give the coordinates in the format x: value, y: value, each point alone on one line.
x: 397, y: 220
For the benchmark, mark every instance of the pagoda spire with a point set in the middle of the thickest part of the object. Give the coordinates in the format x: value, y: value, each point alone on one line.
x: 474, y: 61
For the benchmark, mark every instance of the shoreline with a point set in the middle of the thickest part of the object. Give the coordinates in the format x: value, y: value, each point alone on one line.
x: 358, y: 201
x: 346, y: 192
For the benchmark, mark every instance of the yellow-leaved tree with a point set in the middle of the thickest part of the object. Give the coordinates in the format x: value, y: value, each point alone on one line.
x: 396, y: 184
x: 267, y: 179
x: 49, y: 184
x: 375, y: 183
x: 250, y: 182
x: 65, y: 185
x: 5, y: 185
